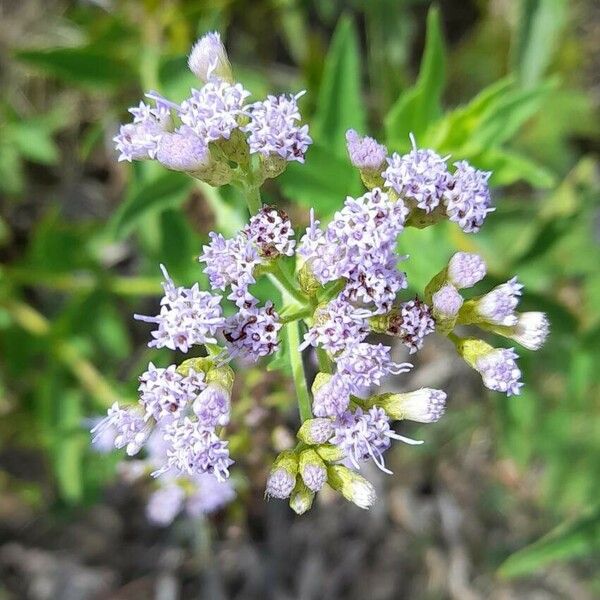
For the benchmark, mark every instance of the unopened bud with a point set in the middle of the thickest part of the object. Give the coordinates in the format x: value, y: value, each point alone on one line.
x: 315, y: 431
x: 352, y: 486
x: 208, y: 58
x: 302, y: 498
x: 282, y: 477
x: 424, y: 406
x: 312, y: 470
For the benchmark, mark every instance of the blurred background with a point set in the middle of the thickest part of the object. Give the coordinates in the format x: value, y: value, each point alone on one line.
x: 502, y: 500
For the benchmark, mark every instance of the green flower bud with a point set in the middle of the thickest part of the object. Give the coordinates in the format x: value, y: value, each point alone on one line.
x: 301, y: 499
x: 352, y: 486
x: 329, y: 452
x: 315, y: 431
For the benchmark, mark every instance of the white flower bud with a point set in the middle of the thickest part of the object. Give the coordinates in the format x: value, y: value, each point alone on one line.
x: 208, y: 59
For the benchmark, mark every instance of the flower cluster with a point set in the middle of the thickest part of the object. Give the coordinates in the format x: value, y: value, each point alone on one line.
x: 215, y: 128
x: 341, y: 284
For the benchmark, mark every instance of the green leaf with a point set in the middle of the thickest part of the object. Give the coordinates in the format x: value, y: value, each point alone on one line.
x: 417, y: 107
x: 509, y: 166
x: 537, y: 37
x: 34, y: 143
x: 82, y: 66
x: 340, y: 106
x: 572, y: 539
x: 168, y: 190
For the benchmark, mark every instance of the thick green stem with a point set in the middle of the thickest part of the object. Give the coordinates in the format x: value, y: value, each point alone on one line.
x: 284, y: 283
x: 253, y: 199
x: 295, y: 356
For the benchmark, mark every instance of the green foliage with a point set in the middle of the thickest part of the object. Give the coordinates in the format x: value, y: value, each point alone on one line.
x: 578, y: 537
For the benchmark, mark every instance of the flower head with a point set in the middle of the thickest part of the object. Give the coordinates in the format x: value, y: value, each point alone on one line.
x: 446, y: 301
x: 273, y: 128
x: 129, y: 427
x: 271, y: 231
x: 365, y: 152
x: 183, y: 150
x: 499, y: 371
x: 252, y: 333
x: 411, y: 324
x: 362, y: 365
x: 187, y: 316
x: 336, y: 325
x: 213, y: 112
x: 332, y: 397
x: 212, y: 405
x: 498, y: 306
x: 467, y: 197
x: 420, y: 175
x: 165, y: 504
x: 194, y: 449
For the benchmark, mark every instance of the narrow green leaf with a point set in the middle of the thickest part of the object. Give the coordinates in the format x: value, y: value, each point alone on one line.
x: 340, y: 106
x: 509, y: 167
x: 34, y: 143
x: 537, y: 38
x: 166, y: 191
x: 82, y: 66
x: 417, y: 107
x: 572, y: 539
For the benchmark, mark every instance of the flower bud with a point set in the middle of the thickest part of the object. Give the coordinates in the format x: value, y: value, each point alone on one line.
x: 424, y: 406
x: 446, y: 303
x: 301, y: 499
x: 315, y: 431
x: 496, y: 366
x: 208, y: 58
x: 352, y: 486
x: 183, y: 151
x: 282, y: 477
x: 367, y: 155
x: 530, y: 330
x: 312, y: 470
x: 496, y: 307
x: 308, y: 282
x: 330, y: 452
x: 465, y: 270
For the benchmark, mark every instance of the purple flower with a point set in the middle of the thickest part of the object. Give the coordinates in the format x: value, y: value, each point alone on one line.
x: 209, y: 495
x: 420, y: 175
x: 467, y: 197
x: 465, y: 270
x: 365, y: 152
x: 280, y: 483
x: 336, y: 325
x: 230, y: 262
x: 165, y: 504
x: 187, y: 316
x: 359, y: 244
x: 498, y: 306
x: 213, y: 112
x: 499, y: 371
x: 363, y: 435
x: 271, y: 231
x: 194, y: 450
x: 411, y: 324
x: 446, y: 301
x: 314, y: 476
x: 183, y: 150
x: 252, y: 333
x: 129, y: 427
x: 274, y: 129
x: 212, y: 406
x: 363, y: 365
x: 332, y: 397
x: 165, y: 393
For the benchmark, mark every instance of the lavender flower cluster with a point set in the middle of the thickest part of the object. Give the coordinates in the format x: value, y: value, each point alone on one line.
x: 347, y: 285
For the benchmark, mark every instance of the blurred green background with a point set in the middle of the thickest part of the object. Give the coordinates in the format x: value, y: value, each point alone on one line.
x: 513, y: 87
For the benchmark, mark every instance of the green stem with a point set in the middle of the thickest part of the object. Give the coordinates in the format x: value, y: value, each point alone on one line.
x: 285, y: 283
x: 253, y: 199
x: 303, y: 396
